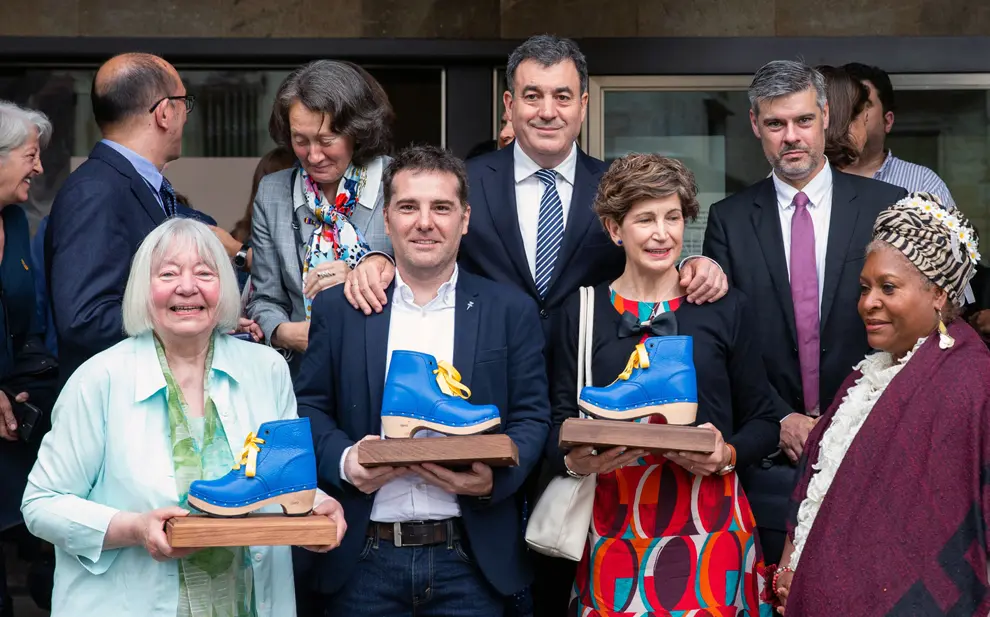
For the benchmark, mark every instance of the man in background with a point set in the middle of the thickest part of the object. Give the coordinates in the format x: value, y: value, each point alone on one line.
x: 112, y: 201
x: 877, y: 161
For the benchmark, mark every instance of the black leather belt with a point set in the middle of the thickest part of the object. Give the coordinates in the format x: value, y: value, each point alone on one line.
x: 416, y: 533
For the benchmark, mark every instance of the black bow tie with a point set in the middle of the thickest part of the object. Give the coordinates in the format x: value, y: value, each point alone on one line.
x: 664, y: 324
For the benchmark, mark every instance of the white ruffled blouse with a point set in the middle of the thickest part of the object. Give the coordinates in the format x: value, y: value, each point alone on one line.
x: 878, y: 371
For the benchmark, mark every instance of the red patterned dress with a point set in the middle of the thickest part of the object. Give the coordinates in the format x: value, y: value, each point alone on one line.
x: 664, y: 542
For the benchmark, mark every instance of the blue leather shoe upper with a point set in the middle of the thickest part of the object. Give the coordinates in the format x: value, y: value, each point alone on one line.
x: 670, y: 378
x: 285, y: 463
x: 412, y: 391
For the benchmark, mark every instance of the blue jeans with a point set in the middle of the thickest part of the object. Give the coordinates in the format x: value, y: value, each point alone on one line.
x: 440, y: 580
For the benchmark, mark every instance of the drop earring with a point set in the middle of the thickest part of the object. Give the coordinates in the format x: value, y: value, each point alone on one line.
x: 944, y: 340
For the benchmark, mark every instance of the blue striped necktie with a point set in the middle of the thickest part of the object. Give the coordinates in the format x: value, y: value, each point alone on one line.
x: 167, y: 193
x: 549, y: 230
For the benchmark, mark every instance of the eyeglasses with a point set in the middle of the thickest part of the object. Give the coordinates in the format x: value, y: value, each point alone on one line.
x: 189, y: 99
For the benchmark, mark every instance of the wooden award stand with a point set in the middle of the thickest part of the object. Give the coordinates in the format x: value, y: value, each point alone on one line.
x: 652, y: 437
x: 258, y: 529
x: 497, y: 450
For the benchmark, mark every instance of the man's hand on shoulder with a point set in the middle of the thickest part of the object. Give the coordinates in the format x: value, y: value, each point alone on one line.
x: 366, y: 283
x: 703, y: 279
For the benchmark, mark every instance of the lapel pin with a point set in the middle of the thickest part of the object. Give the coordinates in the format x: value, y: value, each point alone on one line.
x: 469, y: 305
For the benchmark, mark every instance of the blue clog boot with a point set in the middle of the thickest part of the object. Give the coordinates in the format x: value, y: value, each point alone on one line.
x: 421, y: 393
x: 659, y: 380
x: 277, y: 465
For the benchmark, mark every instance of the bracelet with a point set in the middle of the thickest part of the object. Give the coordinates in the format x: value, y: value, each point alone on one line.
x: 572, y: 473
x: 776, y: 575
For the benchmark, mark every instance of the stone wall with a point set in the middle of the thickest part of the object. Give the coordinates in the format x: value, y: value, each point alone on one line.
x: 492, y: 19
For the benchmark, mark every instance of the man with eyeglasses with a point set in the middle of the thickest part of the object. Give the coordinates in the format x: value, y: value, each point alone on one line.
x: 112, y: 201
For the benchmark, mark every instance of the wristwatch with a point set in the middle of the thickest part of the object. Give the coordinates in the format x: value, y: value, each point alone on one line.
x: 732, y: 461
x: 240, y: 258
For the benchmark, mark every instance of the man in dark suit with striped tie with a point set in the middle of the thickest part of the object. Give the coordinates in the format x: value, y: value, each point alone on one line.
x: 532, y: 223
x: 112, y: 201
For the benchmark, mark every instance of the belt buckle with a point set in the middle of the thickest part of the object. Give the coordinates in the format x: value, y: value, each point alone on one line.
x: 397, y: 534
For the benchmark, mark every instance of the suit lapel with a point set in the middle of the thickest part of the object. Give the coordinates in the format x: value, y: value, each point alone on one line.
x: 842, y: 223
x: 376, y: 327
x: 499, y: 186
x: 466, y: 320
x: 766, y: 221
x: 143, y: 192
x: 580, y: 217
x: 139, y: 186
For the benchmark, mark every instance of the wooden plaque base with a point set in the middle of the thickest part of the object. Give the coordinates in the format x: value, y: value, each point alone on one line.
x: 200, y: 531
x: 450, y: 451
x: 653, y: 437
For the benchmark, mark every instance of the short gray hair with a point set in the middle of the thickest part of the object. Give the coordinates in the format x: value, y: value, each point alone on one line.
x: 784, y: 77
x: 18, y: 123
x: 548, y: 50
x: 178, y: 233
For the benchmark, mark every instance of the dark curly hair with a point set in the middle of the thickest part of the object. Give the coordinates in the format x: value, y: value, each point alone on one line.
x: 637, y: 177
x: 356, y: 103
x: 847, y: 99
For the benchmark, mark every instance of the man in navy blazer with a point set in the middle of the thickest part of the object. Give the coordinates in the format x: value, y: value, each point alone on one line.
x: 425, y: 537
x: 109, y: 204
x: 546, y: 101
x: 534, y: 226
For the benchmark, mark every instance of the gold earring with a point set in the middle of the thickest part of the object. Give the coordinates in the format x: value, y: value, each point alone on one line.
x: 944, y: 340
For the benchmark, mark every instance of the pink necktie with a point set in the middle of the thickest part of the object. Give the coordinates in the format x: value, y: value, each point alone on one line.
x: 804, y: 294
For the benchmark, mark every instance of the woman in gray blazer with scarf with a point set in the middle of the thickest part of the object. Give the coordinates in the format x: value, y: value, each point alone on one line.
x: 313, y: 222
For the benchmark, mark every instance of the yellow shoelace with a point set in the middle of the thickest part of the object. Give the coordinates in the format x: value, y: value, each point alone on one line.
x: 249, y: 455
x: 639, y: 359
x: 449, y: 380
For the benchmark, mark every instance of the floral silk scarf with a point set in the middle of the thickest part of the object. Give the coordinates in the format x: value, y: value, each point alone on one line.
x: 334, y: 238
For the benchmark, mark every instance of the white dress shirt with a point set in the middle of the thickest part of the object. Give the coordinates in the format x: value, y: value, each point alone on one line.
x: 819, y: 192
x: 427, y: 329
x: 529, y: 193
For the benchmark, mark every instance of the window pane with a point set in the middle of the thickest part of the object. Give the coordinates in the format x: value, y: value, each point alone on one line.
x: 949, y: 132
x: 708, y: 131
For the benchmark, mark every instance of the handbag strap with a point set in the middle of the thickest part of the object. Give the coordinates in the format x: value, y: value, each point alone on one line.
x: 586, y: 331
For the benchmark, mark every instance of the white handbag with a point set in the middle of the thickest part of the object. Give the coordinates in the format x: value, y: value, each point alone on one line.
x: 560, y: 522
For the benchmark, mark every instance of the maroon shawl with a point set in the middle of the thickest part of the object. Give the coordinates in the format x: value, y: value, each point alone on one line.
x: 903, y: 528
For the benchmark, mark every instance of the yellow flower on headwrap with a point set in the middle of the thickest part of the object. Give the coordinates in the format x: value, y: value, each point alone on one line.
x: 939, y: 214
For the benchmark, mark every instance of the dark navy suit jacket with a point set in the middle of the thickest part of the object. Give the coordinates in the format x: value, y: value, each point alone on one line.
x: 498, y: 349
x: 493, y: 246
x: 99, y: 217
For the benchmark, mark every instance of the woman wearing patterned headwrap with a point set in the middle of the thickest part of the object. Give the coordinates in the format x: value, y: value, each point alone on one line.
x: 891, y: 513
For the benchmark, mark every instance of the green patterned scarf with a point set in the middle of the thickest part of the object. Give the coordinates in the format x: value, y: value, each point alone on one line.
x: 213, y: 582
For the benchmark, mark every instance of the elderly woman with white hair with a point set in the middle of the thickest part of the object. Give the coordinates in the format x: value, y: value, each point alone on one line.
x: 118, y: 461
x: 27, y: 373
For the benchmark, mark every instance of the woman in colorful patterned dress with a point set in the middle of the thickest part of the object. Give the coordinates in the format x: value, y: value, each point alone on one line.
x: 314, y: 222
x: 671, y: 534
